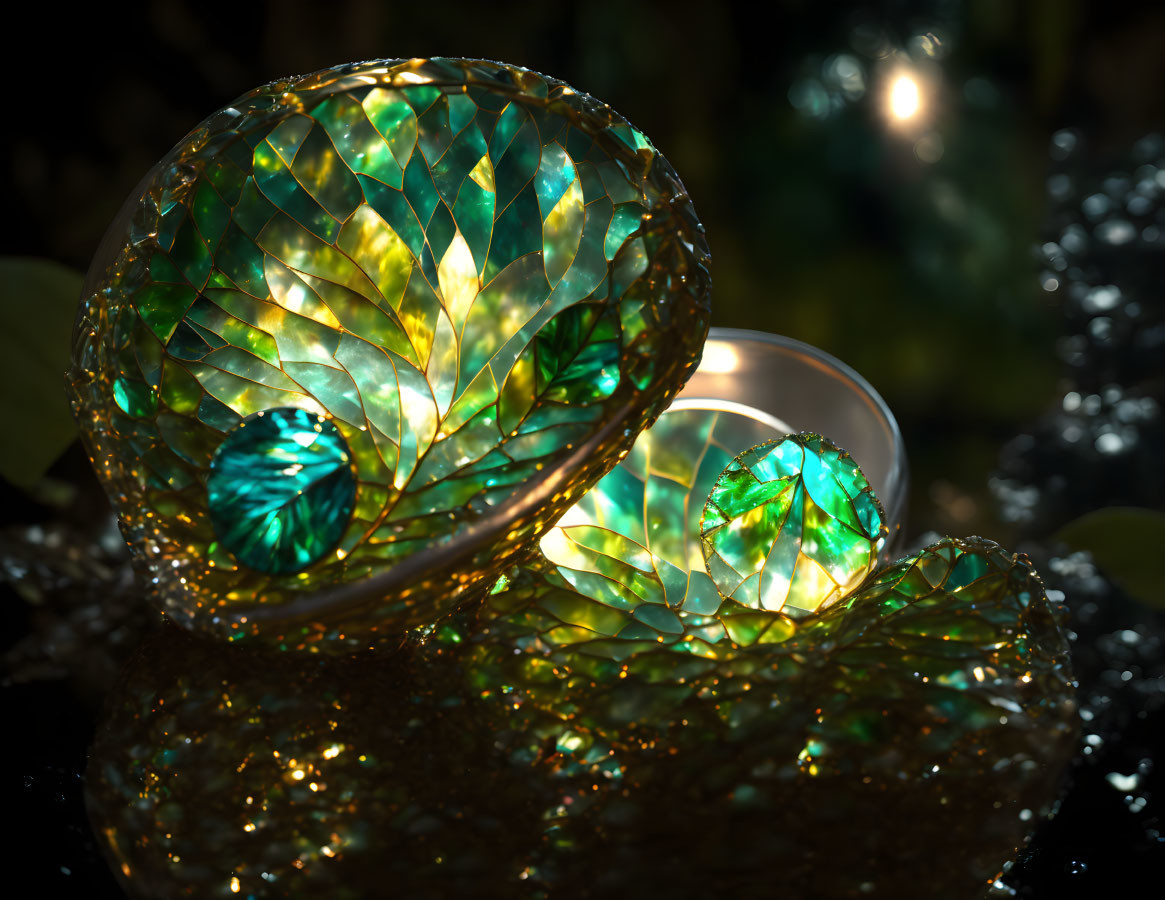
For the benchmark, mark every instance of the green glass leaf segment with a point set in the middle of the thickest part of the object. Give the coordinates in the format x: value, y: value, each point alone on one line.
x: 791, y: 525
x: 468, y: 267
x: 958, y: 608
x: 281, y: 489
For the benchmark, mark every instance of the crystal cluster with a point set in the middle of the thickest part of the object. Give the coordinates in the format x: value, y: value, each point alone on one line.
x: 486, y: 282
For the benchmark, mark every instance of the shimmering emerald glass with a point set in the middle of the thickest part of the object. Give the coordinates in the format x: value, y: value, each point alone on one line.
x: 487, y: 280
x: 791, y: 525
x: 634, y: 536
x: 922, y: 688
x: 281, y: 489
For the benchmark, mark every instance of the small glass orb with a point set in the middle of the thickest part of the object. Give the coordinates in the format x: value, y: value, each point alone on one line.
x: 791, y: 525
x: 281, y: 490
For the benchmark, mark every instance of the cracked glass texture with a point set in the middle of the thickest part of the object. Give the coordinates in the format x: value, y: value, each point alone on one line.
x: 486, y: 281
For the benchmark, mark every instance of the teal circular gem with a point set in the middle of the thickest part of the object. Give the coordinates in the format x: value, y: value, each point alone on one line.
x: 791, y: 525
x: 281, y: 490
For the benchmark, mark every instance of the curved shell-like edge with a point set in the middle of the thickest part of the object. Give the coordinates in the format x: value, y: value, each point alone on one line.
x: 426, y: 585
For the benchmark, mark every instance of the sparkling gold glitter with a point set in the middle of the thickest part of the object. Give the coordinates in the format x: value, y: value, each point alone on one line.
x: 554, y: 744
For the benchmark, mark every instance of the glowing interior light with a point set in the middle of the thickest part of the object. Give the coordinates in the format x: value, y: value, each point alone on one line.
x: 905, y: 99
x: 720, y: 358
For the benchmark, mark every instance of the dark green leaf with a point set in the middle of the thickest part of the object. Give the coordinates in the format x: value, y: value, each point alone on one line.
x: 1126, y: 543
x: 38, y: 302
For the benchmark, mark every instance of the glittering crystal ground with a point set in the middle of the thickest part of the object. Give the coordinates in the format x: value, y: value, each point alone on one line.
x: 80, y: 633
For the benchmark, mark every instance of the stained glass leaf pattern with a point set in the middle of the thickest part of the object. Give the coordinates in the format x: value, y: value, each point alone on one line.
x: 940, y: 616
x: 633, y: 538
x: 451, y: 260
x: 283, y: 485
x: 931, y: 682
x: 620, y: 602
x: 791, y: 525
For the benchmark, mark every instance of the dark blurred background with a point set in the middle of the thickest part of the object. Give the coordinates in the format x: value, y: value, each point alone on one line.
x: 962, y: 200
